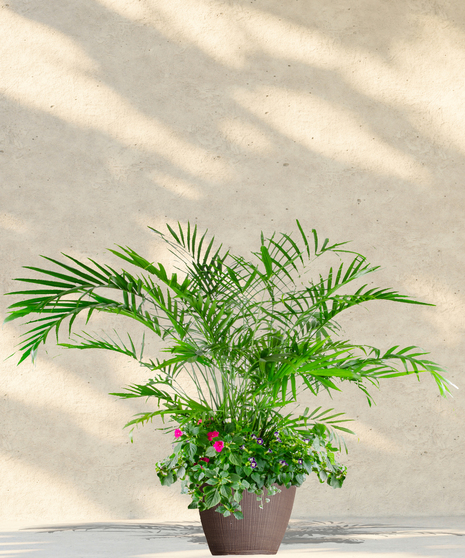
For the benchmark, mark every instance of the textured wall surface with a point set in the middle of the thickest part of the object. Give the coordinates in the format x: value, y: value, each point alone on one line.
x: 238, y: 115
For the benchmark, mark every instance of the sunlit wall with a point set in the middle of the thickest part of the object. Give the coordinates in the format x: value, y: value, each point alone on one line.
x: 240, y: 116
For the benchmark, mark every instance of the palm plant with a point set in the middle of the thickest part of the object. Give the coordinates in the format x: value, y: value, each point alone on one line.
x: 250, y: 335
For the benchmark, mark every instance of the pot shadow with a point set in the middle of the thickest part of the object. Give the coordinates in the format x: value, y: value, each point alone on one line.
x: 297, y: 533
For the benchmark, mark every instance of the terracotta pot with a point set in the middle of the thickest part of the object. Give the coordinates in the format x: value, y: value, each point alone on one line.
x: 260, y: 532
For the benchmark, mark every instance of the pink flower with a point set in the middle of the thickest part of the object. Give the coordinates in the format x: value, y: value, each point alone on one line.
x: 212, y: 435
x: 178, y: 433
x: 199, y: 421
x: 219, y: 445
x: 206, y: 459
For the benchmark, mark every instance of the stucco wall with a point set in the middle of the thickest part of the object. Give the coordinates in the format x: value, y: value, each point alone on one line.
x: 239, y: 116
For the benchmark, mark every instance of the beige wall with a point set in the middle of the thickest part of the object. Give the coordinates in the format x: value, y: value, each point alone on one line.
x: 240, y: 116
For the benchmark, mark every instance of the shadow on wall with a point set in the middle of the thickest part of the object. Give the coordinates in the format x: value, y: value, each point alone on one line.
x: 117, y: 115
x: 205, y: 102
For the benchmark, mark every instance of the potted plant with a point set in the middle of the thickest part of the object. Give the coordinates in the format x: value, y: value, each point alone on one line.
x: 249, y: 336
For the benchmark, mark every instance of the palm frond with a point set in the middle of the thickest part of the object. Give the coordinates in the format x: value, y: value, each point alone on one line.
x: 249, y: 332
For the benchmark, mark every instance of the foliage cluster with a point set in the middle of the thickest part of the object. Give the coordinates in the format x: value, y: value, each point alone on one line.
x: 216, y: 466
x: 251, y: 334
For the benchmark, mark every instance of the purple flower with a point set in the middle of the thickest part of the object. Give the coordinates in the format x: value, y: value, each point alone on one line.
x: 259, y: 441
x: 300, y: 461
x: 277, y: 436
x: 242, y: 447
x: 282, y: 462
x: 306, y: 440
x: 253, y: 437
x: 252, y: 463
x: 269, y: 451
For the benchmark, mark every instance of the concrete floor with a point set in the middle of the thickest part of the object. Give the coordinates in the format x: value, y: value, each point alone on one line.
x: 348, y: 538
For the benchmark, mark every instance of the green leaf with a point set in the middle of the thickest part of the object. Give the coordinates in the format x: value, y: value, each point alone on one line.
x: 192, y: 450
x: 235, y: 459
x: 266, y: 261
x: 322, y: 475
x: 238, y: 495
x: 212, y: 499
x: 257, y: 478
x: 211, y: 452
x: 225, y: 491
x: 335, y: 482
x: 168, y: 480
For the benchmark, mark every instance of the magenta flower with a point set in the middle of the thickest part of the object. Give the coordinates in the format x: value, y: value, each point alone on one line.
x: 178, y: 433
x: 206, y: 459
x: 212, y: 435
x: 219, y: 445
x: 199, y: 421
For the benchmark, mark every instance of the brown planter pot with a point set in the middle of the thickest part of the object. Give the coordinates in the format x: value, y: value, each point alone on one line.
x: 260, y: 532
